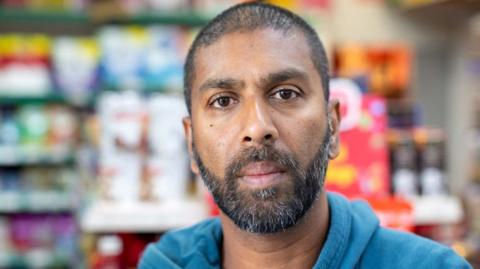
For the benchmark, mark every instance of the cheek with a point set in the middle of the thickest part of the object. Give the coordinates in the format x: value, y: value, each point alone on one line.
x: 304, y: 138
x: 212, y: 145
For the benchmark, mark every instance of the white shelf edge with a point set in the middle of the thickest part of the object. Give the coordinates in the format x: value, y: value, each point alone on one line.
x: 25, y: 155
x: 142, y: 216
x: 160, y: 217
x: 35, y: 201
x: 436, y: 210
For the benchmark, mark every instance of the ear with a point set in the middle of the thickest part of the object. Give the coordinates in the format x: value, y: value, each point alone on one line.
x: 334, y: 125
x: 187, y: 128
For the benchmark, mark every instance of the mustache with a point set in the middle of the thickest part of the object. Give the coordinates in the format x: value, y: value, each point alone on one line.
x: 258, y: 154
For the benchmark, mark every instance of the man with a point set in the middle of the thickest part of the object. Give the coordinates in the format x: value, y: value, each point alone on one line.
x: 260, y: 133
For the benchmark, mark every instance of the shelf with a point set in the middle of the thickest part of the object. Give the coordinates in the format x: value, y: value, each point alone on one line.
x: 186, y: 19
x: 35, y: 202
x: 45, y: 16
x: 28, y: 100
x: 142, y: 217
x: 81, y: 103
x: 18, y: 156
x: 38, y: 258
x: 436, y: 210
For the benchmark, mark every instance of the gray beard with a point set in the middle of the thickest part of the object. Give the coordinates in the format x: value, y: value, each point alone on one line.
x: 272, y: 209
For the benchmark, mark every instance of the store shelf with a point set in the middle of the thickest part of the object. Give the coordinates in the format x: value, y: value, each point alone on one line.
x: 39, y: 258
x: 436, y: 210
x: 35, y: 202
x: 174, y: 18
x: 27, y: 100
x: 45, y: 16
x: 142, y: 217
x: 17, y: 156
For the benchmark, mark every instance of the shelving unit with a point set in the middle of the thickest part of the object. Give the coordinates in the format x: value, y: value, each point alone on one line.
x: 93, y: 217
x: 37, y: 200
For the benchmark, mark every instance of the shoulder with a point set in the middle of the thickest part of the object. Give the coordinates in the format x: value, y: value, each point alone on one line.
x: 207, y: 230
x: 184, y: 248
x: 394, y: 249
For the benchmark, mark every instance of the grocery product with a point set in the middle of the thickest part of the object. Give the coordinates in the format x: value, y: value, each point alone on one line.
x: 75, y: 66
x: 24, y: 65
x: 362, y: 165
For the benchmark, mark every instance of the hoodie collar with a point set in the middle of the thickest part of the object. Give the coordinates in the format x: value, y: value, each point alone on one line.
x: 338, y: 233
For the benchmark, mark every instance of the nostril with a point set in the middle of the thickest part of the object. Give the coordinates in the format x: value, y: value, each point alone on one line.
x: 268, y: 137
x: 247, y: 139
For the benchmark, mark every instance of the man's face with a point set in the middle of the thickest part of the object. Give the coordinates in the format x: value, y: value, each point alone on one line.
x: 258, y: 131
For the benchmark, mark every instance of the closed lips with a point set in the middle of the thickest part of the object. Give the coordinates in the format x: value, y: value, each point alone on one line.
x: 260, y: 173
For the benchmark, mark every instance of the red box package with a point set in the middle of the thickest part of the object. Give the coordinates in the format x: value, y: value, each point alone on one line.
x: 362, y: 165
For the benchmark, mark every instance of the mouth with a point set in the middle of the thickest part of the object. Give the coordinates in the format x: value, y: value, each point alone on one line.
x: 262, y: 174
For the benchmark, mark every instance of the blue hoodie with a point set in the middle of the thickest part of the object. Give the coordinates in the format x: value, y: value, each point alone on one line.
x: 354, y: 240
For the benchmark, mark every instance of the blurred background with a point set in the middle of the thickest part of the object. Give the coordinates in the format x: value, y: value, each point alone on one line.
x: 93, y: 163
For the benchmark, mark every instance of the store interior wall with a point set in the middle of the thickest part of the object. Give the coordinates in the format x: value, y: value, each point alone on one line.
x: 461, y: 113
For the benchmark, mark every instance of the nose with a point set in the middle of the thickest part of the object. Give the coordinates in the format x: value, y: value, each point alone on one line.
x: 259, y: 127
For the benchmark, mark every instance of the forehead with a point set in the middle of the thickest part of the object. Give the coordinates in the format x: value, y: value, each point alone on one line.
x: 247, y: 55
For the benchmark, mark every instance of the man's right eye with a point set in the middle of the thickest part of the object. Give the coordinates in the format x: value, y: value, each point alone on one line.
x: 222, y: 102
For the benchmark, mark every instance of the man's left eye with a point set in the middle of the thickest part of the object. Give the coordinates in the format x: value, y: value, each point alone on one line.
x: 285, y: 94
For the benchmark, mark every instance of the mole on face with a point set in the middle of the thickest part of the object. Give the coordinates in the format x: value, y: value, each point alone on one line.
x: 211, y: 125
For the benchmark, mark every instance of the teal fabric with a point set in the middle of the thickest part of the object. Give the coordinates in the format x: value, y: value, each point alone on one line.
x: 354, y: 240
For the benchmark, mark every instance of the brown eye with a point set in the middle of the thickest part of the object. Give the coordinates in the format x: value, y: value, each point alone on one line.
x: 285, y: 94
x: 222, y: 102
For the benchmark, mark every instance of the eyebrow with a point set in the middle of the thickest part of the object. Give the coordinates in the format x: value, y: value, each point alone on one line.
x: 270, y: 79
x: 221, y: 83
x: 283, y: 75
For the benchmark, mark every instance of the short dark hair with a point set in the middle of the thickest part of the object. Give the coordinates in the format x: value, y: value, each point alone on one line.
x: 251, y: 16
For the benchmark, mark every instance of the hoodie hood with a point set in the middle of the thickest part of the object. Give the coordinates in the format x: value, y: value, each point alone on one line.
x: 352, y: 225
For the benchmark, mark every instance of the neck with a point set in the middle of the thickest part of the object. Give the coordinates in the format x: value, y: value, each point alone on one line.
x: 297, y: 247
